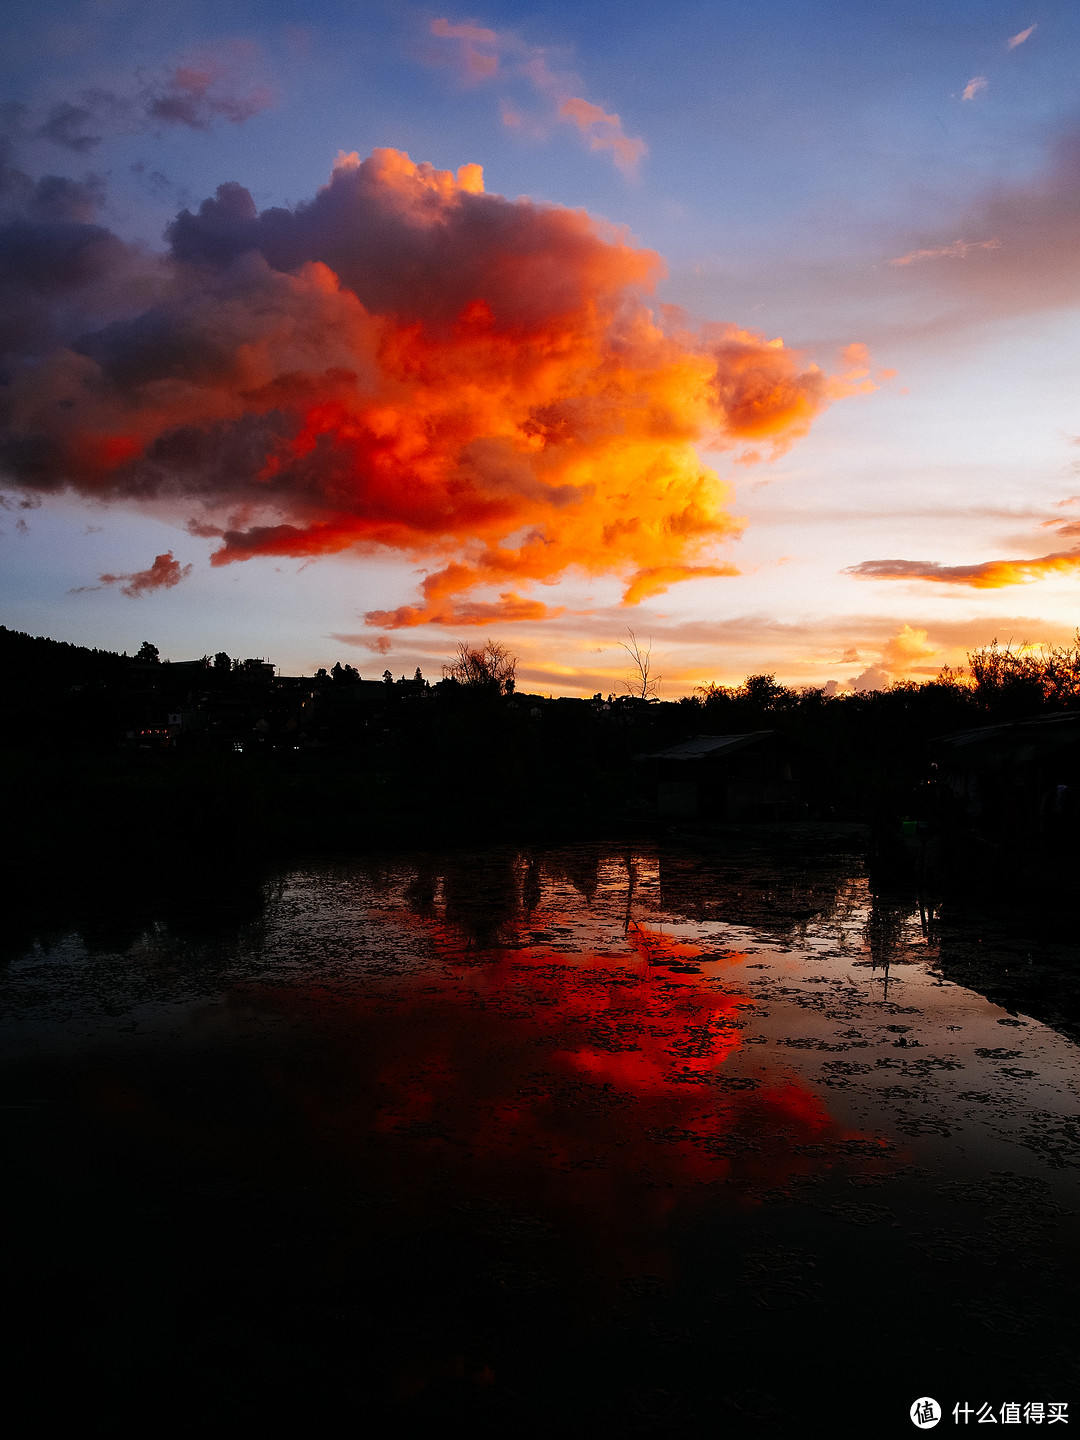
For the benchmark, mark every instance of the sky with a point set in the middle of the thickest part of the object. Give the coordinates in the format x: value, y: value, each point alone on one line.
x: 355, y: 332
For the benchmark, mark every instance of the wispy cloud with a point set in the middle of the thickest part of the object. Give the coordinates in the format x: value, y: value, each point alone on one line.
x: 477, y: 47
x: 984, y: 575
x: 958, y: 250
x: 479, y: 55
x: 972, y: 88
x: 987, y: 574
x: 1027, y: 263
x: 604, y: 132
x: 1016, y: 40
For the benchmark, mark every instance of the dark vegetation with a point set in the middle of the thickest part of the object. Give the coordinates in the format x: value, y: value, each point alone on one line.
x: 113, y: 759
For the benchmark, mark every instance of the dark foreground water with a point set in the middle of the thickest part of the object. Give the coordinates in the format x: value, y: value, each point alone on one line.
x: 582, y: 1140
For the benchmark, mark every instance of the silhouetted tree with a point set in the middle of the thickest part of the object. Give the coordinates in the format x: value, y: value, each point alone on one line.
x: 764, y: 693
x: 491, y: 668
x: 148, y: 653
x: 222, y: 663
x: 1013, y: 681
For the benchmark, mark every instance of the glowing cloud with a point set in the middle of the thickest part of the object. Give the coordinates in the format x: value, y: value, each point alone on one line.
x: 659, y: 579
x: 405, y: 363
x: 972, y: 88
x: 1016, y: 40
x: 907, y: 650
x: 986, y: 575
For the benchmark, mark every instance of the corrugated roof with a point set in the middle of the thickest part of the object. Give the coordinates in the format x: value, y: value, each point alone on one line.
x: 702, y: 746
x: 1056, y: 722
x: 1010, y: 741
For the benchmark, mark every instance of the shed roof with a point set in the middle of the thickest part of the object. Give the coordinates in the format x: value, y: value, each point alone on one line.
x: 1015, y: 740
x: 707, y: 747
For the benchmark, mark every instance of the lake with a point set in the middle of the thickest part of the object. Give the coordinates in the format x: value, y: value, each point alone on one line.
x: 643, y: 1139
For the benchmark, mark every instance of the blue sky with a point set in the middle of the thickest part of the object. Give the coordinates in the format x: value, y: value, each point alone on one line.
x: 789, y: 156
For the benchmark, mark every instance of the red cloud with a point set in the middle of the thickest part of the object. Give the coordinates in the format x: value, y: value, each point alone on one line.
x: 163, y: 574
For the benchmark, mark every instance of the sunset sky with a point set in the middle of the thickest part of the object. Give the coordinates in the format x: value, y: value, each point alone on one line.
x: 353, y: 331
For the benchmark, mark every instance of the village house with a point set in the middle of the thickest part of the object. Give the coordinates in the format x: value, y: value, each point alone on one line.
x: 725, y: 777
x: 1017, y: 782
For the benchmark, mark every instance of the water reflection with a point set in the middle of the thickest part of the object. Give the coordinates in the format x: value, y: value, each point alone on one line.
x: 546, y: 1130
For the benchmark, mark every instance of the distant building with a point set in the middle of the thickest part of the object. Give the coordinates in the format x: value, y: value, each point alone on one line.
x: 725, y: 777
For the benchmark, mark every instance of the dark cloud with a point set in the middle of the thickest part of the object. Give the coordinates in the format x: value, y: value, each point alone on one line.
x: 71, y: 124
x: 50, y: 258
x: 156, y: 183
x: 51, y: 200
x: 49, y: 250
x: 197, y: 97
x: 67, y: 126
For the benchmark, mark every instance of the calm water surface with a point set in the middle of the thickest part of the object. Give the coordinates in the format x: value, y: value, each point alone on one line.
x: 638, y: 1141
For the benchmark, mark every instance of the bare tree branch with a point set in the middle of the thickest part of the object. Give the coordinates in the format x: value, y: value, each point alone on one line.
x: 641, y: 684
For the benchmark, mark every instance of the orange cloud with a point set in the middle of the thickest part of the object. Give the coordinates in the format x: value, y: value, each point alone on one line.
x: 510, y: 607
x: 604, y: 132
x: 986, y: 575
x: 959, y: 250
x: 659, y: 579
x: 163, y: 574
x: 972, y: 88
x: 903, y: 655
x: 907, y: 650
x: 1016, y: 40
x: 409, y: 364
